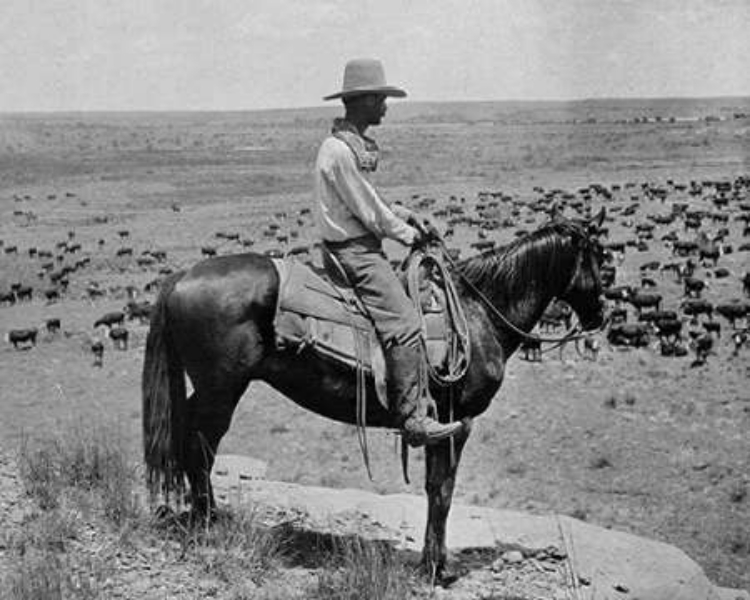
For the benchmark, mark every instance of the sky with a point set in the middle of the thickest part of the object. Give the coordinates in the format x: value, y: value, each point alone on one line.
x: 255, y: 54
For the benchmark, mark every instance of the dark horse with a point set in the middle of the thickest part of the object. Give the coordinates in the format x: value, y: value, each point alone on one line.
x: 215, y: 323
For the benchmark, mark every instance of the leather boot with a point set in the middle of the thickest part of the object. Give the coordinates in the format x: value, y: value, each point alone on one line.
x: 404, y: 373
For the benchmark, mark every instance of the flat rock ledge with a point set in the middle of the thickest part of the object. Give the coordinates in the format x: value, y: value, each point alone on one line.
x: 601, y: 563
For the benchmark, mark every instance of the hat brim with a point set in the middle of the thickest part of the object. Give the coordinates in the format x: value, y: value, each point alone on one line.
x: 386, y: 90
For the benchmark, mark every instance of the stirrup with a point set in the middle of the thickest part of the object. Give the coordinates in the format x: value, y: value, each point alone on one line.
x: 432, y: 432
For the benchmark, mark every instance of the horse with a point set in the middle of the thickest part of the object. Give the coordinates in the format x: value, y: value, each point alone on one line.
x: 214, y: 322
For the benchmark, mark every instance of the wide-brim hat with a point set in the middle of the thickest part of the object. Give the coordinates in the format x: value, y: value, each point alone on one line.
x: 365, y: 76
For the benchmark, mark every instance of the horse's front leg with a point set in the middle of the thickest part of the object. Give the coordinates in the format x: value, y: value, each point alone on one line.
x: 442, y: 464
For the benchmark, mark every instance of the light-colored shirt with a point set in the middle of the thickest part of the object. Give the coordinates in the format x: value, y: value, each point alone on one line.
x: 347, y: 204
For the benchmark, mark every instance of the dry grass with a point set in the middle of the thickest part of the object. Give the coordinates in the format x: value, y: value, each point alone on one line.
x: 362, y: 570
x: 89, y: 458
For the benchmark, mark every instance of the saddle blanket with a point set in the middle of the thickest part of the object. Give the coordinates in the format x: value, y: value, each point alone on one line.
x: 314, y: 314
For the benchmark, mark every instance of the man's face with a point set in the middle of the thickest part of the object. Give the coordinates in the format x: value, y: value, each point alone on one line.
x: 376, y: 108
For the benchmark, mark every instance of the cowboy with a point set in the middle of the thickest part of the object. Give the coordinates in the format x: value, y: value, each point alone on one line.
x: 353, y: 219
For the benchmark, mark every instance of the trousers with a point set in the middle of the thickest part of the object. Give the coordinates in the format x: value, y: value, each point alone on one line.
x: 378, y: 287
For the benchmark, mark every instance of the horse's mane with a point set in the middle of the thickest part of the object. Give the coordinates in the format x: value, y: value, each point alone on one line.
x: 514, y: 267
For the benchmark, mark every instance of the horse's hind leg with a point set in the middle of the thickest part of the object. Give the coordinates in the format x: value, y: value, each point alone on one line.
x: 208, y: 420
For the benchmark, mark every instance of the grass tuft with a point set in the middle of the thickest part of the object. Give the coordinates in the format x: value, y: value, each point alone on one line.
x: 363, y: 570
x: 80, y: 459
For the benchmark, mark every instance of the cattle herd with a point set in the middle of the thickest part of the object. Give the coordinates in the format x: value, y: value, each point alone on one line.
x: 675, y: 268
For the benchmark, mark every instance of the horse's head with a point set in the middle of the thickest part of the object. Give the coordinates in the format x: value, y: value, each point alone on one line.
x: 584, y: 289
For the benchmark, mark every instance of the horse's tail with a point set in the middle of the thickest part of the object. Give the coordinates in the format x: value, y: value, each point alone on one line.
x: 164, y: 403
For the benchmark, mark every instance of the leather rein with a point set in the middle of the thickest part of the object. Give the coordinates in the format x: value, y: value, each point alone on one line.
x: 573, y: 334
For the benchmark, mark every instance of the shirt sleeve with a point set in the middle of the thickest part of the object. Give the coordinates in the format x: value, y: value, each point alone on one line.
x: 362, y: 199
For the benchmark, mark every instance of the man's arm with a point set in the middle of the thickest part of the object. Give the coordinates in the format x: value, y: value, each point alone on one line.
x: 362, y: 199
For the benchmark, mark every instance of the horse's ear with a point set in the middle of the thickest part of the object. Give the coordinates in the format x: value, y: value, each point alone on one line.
x: 596, y: 222
x: 554, y: 212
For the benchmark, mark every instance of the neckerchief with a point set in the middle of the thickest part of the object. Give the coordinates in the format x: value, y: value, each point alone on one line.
x: 364, y: 148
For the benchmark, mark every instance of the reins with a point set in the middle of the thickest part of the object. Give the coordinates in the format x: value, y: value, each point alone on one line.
x: 574, y: 333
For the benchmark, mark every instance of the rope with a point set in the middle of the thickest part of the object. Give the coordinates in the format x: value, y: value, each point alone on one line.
x: 572, y: 334
x: 459, y: 353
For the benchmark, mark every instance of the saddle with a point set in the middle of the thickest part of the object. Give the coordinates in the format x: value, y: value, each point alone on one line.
x: 319, y: 312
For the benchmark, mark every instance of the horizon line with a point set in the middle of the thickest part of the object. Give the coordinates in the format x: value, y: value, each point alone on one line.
x: 333, y: 105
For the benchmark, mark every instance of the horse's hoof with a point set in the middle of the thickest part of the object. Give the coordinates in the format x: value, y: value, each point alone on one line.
x: 447, y: 576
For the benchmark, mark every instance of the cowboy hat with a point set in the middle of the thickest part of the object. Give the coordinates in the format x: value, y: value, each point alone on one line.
x: 365, y: 76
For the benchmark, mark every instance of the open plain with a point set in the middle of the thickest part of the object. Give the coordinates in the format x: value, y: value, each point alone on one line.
x: 633, y: 440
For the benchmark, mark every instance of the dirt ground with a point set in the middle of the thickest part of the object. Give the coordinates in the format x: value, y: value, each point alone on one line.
x: 632, y: 441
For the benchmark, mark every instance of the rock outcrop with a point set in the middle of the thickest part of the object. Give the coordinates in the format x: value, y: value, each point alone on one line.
x: 595, y: 563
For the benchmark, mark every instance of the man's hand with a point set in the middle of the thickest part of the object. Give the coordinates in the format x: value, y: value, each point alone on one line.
x: 428, y: 232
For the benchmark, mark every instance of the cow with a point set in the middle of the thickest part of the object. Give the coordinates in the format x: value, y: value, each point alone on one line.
x: 24, y: 292
x: 532, y: 350
x: 97, y: 349
x: 635, y: 335
x: 702, y: 345
x: 641, y: 300
x: 52, y: 326
x: 19, y: 337
x: 119, y: 337
x: 693, y: 307
x: 693, y: 287
x: 739, y: 338
x: 733, y: 312
x: 138, y: 310
x: 7, y: 298
x: 110, y: 319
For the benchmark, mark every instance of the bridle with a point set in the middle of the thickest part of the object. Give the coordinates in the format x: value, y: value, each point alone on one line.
x: 573, y: 334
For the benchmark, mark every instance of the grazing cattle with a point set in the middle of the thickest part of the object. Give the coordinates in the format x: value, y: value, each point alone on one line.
x: 635, y: 335
x: 712, y: 327
x: 94, y: 291
x: 208, y: 251
x: 119, y: 337
x: 97, y: 349
x: 145, y: 261
x: 8, y: 298
x: 641, y: 300
x: 52, y: 294
x: 532, y: 350
x: 52, y: 326
x: 733, y: 312
x: 693, y: 307
x: 693, y: 287
x: 739, y: 338
x: 618, y: 294
x: 138, y: 310
x: 125, y: 251
x: 19, y: 337
x: 668, y: 329
x: 555, y: 316
x: 25, y: 292
x: 588, y: 347
x: 702, y: 345
x: 110, y: 319
x: 123, y: 233
x: 684, y: 248
x: 672, y: 348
